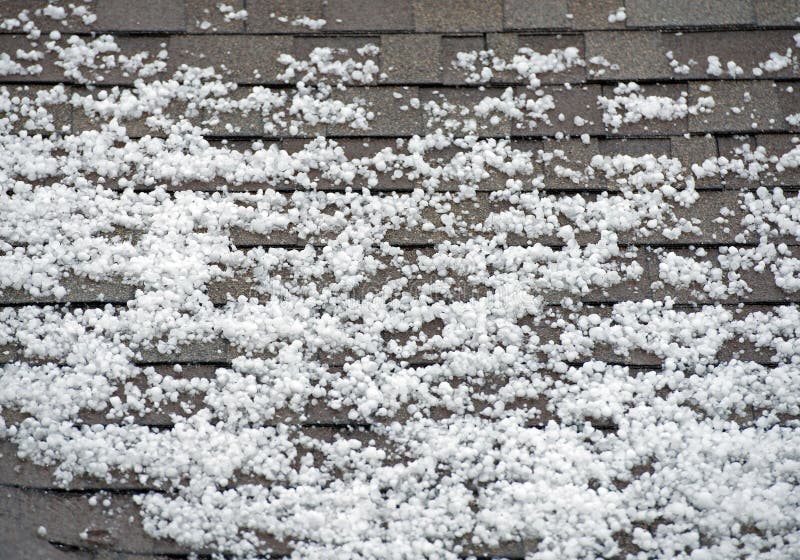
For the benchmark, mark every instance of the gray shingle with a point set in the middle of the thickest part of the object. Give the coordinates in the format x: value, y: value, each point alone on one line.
x: 741, y: 106
x: 276, y: 16
x: 635, y: 146
x: 412, y: 58
x: 129, y: 46
x: 387, y: 103
x: 241, y: 58
x: 506, y: 47
x: 593, y: 14
x: 727, y: 46
x: 695, y: 149
x: 578, y: 102
x: 9, y: 44
x: 71, y: 24
x: 689, y: 13
x: 454, y: 16
x: 777, y: 145
x: 762, y: 286
x: 777, y: 12
x: 203, y: 16
x: 451, y: 46
x: 789, y: 98
x: 732, y: 147
x: 639, y: 54
x: 458, y: 100
x: 535, y: 14
x: 362, y: 15
x: 148, y: 15
x: 646, y: 127
x: 28, y: 95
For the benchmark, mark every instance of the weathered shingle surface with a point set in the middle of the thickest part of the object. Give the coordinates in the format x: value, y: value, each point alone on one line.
x: 418, y: 40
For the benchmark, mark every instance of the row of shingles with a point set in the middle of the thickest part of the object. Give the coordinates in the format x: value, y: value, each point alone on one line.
x: 741, y: 107
x: 575, y: 154
x: 278, y: 16
x: 763, y: 288
x: 545, y: 329
x: 427, y: 58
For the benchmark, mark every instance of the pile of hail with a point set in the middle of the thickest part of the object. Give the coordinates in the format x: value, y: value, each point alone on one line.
x: 281, y: 349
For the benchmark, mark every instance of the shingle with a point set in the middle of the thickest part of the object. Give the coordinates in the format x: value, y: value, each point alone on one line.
x: 409, y: 59
x: 451, y: 46
x: 689, y: 13
x: 777, y: 145
x: 545, y: 43
x: 344, y: 47
x: 61, y: 113
x: 146, y: 15
x: 635, y: 146
x: 695, y: 149
x: 728, y: 146
x: 762, y: 286
x: 452, y: 16
x: 79, y: 289
x: 9, y: 44
x: 203, y: 16
x: 777, y: 12
x: 741, y: 106
x: 789, y: 98
x: 276, y: 16
x: 12, y: 8
x: 459, y: 104
x: 593, y: 14
x: 241, y: 58
x: 645, y: 127
x: 727, y: 46
x: 68, y: 515
x: 716, y: 213
x: 236, y: 122
x: 365, y: 15
x: 639, y: 54
x: 535, y: 14
x: 387, y: 104
x: 571, y: 154
x: 507, y: 45
x: 129, y: 46
x: 576, y: 112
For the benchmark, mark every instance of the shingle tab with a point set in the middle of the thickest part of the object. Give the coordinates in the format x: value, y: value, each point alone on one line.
x: 149, y: 15
x: 777, y: 12
x: 576, y: 112
x: 689, y: 13
x: 278, y: 16
x: 593, y: 14
x: 451, y: 46
x: 535, y: 14
x: 204, y: 16
x: 390, y: 106
x: 695, y: 149
x: 507, y: 45
x: 241, y: 58
x: 639, y: 54
x: 741, y: 106
x: 727, y: 46
x: 412, y: 58
x: 655, y: 126
x: 362, y: 15
x: 458, y: 15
